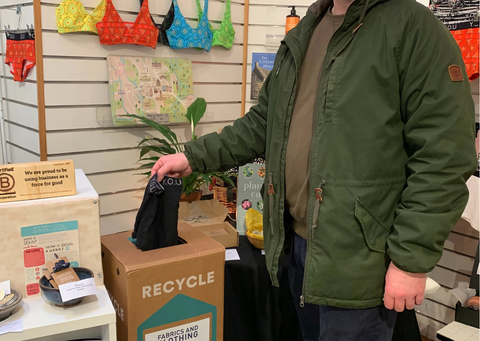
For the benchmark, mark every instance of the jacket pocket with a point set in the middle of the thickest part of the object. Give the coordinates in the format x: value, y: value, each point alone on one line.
x: 374, y: 230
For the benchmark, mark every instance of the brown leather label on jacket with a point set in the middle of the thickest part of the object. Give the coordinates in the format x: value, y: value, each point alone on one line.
x: 455, y: 72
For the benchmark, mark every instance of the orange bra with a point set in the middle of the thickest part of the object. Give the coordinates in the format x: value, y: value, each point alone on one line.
x: 112, y: 30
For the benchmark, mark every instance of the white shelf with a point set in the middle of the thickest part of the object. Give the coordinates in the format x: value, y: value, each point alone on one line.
x: 94, y: 317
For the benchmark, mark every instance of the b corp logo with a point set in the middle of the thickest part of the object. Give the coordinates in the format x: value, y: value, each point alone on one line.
x: 7, y: 182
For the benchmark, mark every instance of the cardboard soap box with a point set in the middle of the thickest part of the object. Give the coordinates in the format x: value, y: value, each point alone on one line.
x: 173, y: 293
x: 209, y: 217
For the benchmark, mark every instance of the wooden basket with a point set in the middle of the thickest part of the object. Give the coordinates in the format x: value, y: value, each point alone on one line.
x: 256, y: 241
x: 227, y: 196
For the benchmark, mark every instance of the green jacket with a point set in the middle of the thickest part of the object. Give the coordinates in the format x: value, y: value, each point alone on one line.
x: 393, y: 144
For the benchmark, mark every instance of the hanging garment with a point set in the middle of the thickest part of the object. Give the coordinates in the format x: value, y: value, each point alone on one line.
x: 20, y: 53
x: 112, y: 30
x: 165, y: 25
x: 157, y: 218
x: 181, y: 35
x: 72, y: 17
x: 468, y: 40
x: 225, y: 34
x: 461, y: 19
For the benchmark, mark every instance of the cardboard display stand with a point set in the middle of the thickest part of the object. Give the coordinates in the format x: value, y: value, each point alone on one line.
x: 33, y: 231
x: 209, y: 217
x: 173, y: 293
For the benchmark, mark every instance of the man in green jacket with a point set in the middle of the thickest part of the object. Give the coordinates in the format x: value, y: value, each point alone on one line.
x: 367, y: 127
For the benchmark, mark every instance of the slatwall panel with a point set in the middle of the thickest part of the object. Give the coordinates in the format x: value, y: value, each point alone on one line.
x: 454, y: 267
x: 78, y: 117
x: 19, y: 100
x: 267, y: 17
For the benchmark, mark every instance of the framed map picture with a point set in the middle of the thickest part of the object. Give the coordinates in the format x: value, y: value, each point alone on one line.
x: 160, y: 89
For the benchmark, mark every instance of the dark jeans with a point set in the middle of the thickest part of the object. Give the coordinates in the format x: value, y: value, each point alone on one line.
x: 325, y: 323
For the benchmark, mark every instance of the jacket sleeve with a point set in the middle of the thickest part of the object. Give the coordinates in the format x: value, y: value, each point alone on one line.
x: 439, y: 138
x: 235, y: 145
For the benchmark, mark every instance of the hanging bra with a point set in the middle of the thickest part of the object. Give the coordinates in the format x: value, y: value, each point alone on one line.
x: 112, y: 30
x: 165, y: 25
x: 72, y: 17
x: 181, y: 35
x: 225, y: 34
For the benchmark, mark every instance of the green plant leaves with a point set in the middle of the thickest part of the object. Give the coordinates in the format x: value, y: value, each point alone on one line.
x: 164, y: 130
x: 163, y: 144
x: 156, y: 149
x: 195, y: 112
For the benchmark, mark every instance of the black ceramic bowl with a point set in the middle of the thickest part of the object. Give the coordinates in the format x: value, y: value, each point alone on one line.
x: 7, y: 310
x: 52, y: 295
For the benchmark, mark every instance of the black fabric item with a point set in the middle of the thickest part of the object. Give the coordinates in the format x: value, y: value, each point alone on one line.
x: 19, y: 35
x: 165, y: 25
x: 157, y: 218
x: 254, y: 310
x: 168, y: 233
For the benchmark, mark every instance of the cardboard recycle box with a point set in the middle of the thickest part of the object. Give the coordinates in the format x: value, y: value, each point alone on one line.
x: 209, y: 217
x: 168, y: 294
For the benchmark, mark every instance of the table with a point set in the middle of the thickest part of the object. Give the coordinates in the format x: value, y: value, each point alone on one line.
x: 457, y: 331
x: 94, y: 318
x: 256, y: 311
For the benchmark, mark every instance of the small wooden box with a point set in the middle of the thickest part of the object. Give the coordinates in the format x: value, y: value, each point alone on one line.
x: 36, y: 180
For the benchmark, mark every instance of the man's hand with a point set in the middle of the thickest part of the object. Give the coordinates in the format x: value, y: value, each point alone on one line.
x: 403, y: 289
x: 175, y: 166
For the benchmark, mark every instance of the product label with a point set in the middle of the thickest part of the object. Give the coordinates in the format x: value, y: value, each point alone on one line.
x: 173, y: 322
x: 198, y: 331
x: 42, y: 243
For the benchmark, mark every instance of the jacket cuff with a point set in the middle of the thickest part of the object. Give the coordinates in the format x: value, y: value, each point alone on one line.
x: 190, y: 159
x: 411, y: 270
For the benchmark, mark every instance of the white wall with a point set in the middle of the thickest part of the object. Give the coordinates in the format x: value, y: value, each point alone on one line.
x: 19, y: 100
x: 76, y: 99
x: 267, y: 17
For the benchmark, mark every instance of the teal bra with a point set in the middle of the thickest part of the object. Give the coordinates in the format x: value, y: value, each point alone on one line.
x: 181, y: 35
x: 225, y: 34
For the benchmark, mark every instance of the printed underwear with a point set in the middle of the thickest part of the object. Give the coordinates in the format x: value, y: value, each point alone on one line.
x: 20, y: 53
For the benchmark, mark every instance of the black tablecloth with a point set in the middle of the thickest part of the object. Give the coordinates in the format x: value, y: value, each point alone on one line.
x: 256, y: 311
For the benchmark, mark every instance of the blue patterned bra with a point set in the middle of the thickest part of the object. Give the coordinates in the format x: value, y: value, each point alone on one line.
x: 181, y: 35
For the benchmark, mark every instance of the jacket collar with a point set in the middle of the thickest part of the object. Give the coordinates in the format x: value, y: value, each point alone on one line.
x: 298, y: 39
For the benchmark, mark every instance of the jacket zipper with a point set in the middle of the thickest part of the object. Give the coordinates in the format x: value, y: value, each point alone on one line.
x: 316, y: 211
x: 281, y: 61
x: 270, y: 192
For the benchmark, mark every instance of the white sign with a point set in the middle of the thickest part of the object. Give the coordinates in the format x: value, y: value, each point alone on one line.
x: 263, y: 252
x: 197, y: 331
x: 5, y: 286
x: 231, y: 254
x: 73, y: 290
x: 42, y: 243
x: 13, y: 327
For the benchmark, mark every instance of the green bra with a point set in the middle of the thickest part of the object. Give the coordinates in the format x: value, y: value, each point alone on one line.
x: 225, y: 34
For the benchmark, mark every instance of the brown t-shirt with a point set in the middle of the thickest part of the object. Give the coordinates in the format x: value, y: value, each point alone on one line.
x: 297, y: 171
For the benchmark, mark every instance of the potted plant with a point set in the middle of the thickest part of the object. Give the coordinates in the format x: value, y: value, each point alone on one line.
x: 152, y: 148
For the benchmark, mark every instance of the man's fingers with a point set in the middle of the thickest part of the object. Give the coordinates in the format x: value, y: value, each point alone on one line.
x: 410, y: 303
x: 165, y: 169
x: 157, y: 166
x: 419, y: 299
x: 399, y: 305
x: 389, y: 302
